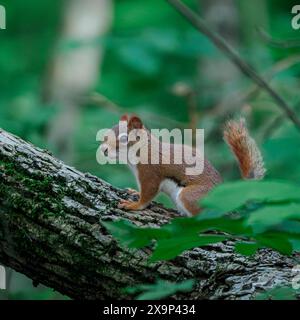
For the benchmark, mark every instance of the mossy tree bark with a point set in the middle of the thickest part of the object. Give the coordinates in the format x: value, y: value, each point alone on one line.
x: 50, y: 230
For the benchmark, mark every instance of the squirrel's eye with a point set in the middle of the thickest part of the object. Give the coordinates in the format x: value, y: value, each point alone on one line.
x: 123, y: 138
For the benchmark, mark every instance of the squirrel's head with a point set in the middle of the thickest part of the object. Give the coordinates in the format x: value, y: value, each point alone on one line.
x: 122, y: 136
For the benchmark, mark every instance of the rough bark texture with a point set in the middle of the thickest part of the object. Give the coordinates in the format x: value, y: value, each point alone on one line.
x: 50, y: 230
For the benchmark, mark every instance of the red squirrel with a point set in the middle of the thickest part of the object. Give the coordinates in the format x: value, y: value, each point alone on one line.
x: 185, y: 190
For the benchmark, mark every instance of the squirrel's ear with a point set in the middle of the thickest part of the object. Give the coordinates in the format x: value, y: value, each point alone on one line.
x: 124, y: 117
x: 135, y: 123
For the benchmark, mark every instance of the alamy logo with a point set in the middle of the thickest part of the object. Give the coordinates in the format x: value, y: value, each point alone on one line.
x: 2, y: 278
x: 141, y: 146
x: 296, y: 19
x: 2, y: 18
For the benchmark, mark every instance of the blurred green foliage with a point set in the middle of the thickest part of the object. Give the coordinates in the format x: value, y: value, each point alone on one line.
x: 149, y: 50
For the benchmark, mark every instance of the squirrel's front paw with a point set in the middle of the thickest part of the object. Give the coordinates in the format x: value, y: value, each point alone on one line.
x: 133, y: 192
x: 128, y: 205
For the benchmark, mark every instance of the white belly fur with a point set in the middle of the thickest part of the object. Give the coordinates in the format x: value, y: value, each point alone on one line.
x: 173, y: 190
x: 168, y: 186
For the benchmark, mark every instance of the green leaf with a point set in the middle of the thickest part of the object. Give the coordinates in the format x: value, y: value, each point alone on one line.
x: 246, y: 248
x: 131, y: 236
x: 295, y: 244
x: 207, y: 222
x: 275, y: 240
x: 167, y: 249
x: 234, y: 195
x: 278, y: 293
x: 272, y: 215
x: 290, y: 226
x: 161, y: 289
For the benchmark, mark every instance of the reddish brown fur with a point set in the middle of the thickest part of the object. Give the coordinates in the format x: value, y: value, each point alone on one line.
x: 194, y: 187
x: 237, y: 137
x: 151, y: 175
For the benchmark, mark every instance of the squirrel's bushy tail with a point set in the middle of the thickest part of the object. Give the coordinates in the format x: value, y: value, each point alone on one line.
x: 245, y: 149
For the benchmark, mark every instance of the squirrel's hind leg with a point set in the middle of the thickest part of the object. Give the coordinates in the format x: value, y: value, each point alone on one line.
x: 187, y: 200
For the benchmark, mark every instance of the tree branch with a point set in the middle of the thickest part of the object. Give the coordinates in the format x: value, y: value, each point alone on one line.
x: 50, y: 230
x: 244, y: 67
x: 283, y: 44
